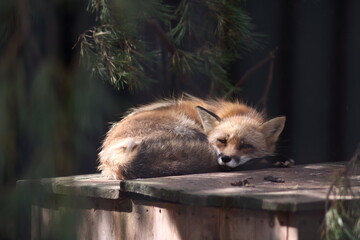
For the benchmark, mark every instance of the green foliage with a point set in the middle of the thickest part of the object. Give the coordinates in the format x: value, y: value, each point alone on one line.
x: 198, y: 38
x: 342, y: 219
x: 52, y: 114
x: 342, y: 224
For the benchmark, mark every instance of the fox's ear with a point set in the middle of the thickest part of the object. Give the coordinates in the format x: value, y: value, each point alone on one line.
x: 208, y: 119
x: 272, y: 128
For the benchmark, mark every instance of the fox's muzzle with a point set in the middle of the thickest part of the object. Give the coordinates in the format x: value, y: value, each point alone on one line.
x: 231, y: 161
x: 225, y: 159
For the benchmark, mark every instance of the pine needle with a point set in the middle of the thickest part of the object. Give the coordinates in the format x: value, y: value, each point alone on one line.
x: 202, y: 38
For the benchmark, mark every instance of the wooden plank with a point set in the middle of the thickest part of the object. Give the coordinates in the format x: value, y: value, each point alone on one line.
x: 146, y: 221
x: 104, y: 219
x: 35, y: 222
x: 202, y: 223
x: 304, y: 189
x: 91, y: 185
x: 199, y: 206
x: 306, y: 224
x: 163, y: 223
x: 243, y: 224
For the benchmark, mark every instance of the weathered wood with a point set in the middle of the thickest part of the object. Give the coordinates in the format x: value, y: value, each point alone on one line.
x: 199, y: 206
x: 160, y: 221
x: 306, y: 224
x: 243, y: 224
x: 170, y: 221
x: 305, y: 188
x: 91, y: 185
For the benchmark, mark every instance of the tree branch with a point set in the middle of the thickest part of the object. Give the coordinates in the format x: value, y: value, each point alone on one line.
x: 263, y: 100
x: 160, y: 32
x: 253, y: 70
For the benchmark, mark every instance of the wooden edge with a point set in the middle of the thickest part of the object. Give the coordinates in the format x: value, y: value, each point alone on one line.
x: 285, y: 202
x: 94, y: 186
x: 91, y: 185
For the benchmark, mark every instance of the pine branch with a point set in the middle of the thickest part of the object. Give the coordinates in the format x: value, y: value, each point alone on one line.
x: 118, y: 50
x: 171, y: 47
x: 269, y: 58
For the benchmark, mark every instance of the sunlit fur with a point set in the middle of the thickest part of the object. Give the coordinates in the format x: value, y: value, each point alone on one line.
x: 174, y: 137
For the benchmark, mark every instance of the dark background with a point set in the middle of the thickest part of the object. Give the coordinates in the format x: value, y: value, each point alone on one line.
x: 53, y: 115
x: 317, y: 76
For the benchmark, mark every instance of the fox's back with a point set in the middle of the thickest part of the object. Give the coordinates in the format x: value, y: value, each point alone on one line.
x: 160, y: 139
x: 164, y: 138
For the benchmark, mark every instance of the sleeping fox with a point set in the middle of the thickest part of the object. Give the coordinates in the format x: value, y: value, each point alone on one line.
x: 187, y: 135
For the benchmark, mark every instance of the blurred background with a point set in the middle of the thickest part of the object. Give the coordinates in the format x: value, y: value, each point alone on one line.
x: 54, y: 112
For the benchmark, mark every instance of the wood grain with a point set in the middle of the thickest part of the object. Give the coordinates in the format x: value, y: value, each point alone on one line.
x: 199, y: 206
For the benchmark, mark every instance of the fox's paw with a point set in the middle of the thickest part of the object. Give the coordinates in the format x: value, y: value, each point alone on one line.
x: 283, y: 161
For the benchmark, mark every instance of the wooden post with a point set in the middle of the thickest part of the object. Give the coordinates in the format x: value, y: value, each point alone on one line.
x: 199, y: 206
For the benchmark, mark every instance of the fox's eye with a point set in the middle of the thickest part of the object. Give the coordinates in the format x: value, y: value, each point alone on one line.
x: 222, y: 140
x: 247, y: 146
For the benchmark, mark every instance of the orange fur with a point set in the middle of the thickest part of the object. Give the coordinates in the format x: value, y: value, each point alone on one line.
x: 173, y: 137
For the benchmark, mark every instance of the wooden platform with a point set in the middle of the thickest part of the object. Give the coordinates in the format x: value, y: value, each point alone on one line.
x: 199, y: 206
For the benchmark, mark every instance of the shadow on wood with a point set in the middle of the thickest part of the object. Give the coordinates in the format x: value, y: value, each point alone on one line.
x: 199, y: 206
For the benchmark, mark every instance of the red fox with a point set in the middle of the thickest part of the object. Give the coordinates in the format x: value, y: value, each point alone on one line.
x: 186, y: 136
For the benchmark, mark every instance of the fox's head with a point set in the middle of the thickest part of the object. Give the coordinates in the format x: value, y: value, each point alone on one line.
x: 239, y: 139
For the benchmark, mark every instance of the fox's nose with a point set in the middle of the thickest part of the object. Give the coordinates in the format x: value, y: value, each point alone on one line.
x: 225, y: 159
